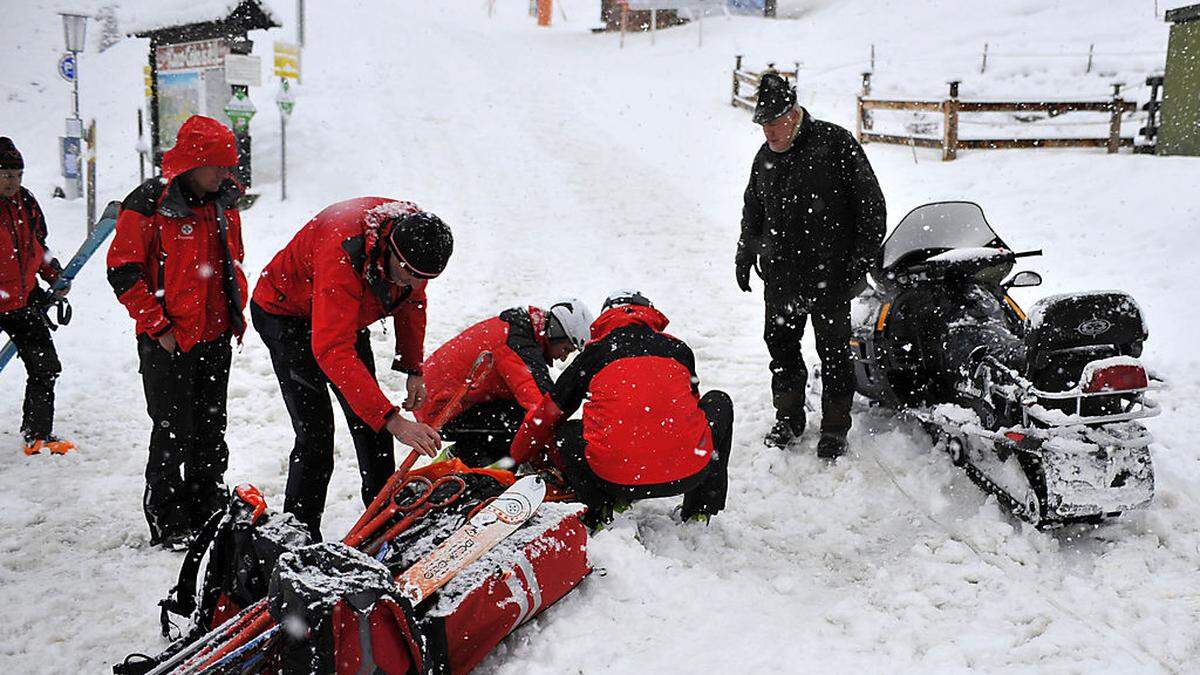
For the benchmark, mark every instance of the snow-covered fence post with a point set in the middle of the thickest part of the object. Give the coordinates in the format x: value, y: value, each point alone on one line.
x: 950, y: 124
x: 737, y: 65
x: 1114, y: 124
x: 862, y: 120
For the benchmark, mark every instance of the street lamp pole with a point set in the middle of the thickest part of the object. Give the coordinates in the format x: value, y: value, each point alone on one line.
x: 74, y: 37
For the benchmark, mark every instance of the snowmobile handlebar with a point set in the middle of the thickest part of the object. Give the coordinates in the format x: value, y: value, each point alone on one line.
x: 1027, y: 254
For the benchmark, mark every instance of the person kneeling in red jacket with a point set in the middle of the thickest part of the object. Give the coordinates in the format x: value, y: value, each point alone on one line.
x: 353, y: 264
x: 523, y: 342
x: 646, y: 432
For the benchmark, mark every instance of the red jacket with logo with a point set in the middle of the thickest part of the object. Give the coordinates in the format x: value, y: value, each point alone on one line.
x: 167, y: 263
x: 330, y: 274
x: 517, y: 341
x: 23, y: 253
x: 641, y: 417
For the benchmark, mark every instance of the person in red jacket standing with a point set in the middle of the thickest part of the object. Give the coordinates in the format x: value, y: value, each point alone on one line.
x: 353, y: 264
x: 646, y: 432
x: 523, y: 342
x: 175, y: 263
x: 23, y: 258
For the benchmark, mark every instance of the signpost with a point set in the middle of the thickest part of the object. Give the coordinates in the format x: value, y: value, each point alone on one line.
x: 287, y: 68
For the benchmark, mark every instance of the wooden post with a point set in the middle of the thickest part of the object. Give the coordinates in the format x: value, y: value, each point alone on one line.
x: 863, y: 119
x: 737, y: 66
x: 872, y: 57
x: 1091, y: 48
x: 624, y: 22
x: 1114, y: 123
x: 983, y: 65
x: 858, y: 119
x: 90, y: 137
x: 950, y: 124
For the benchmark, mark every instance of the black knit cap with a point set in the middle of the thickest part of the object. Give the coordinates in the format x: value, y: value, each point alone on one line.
x: 10, y: 157
x: 775, y: 97
x: 422, y: 242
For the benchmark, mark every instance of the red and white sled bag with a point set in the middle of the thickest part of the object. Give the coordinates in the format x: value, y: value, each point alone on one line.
x: 538, y: 565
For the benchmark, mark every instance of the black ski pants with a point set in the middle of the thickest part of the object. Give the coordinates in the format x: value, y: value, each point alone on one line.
x: 483, y: 433
x: 305, y: 390
x: 27, y: 329
x: 185, y: 396
x: 785, y: 318
x: 703, y: 492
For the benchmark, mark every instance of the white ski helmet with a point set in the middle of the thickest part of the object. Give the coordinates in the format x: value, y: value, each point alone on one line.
x: 570, y: 320
x: 626, y: 297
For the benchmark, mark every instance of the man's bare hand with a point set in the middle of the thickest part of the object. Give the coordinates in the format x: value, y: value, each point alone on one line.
x: 420, y: 437
x: 167, y: 341
x: 416, y: 392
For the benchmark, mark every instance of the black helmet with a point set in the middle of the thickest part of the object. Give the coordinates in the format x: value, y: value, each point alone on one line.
x: 626, y: 297
x: 422, y: 242
x: 775, y: 97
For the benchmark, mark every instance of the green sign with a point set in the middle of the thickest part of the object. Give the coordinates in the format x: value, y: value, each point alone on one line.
x: 285, y: 99
x: 240, y: 110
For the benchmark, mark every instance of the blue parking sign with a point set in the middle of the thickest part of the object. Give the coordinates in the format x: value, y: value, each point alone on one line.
x: 66, y: 67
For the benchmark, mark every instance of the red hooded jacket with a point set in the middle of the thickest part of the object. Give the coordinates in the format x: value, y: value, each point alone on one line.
x: 517, y: 341
x: 330, y: 274
x: 23, y: 253
x: 641, y: 417
x: 167, y: 263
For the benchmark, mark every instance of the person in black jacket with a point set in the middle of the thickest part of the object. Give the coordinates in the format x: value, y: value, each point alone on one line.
x: 812, y: 223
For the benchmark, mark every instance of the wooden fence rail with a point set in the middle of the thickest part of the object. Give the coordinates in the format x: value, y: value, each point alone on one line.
x: 952, y: 107
x: 752, y: 78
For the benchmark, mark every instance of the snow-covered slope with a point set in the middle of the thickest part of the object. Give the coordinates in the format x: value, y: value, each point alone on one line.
x: 568, y: 166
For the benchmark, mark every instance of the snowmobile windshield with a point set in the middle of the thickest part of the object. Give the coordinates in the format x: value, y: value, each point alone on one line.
x: 936, y: 228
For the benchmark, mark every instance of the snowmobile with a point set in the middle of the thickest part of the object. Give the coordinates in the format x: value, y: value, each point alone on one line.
x: 1041, y: 410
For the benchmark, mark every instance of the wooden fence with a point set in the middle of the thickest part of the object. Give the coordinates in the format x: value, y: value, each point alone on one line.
x: 740, y: 77
x: 952, y: 107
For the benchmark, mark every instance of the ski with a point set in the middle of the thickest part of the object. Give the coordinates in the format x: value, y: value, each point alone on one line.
x: 104, y: 228
x: 491, y: 525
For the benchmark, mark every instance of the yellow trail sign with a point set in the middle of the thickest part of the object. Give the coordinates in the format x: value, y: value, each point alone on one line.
x: 287, y: 61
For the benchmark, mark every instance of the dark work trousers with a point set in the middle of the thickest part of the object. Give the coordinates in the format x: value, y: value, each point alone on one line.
x: 785, y: 318
x: 27, y: 329
x: 703, y: 492
x: 483, y: 433
x: 185, y: 396
x: 305, y: 390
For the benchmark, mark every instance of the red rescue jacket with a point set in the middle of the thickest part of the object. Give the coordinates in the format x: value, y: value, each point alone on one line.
x: 167, y: 262
x: 329, y: 273
x: 23, y: 252
x: 641, y: 417
x: 520, y: 372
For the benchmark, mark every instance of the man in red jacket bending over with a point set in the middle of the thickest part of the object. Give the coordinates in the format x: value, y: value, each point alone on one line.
x: 175, y: 263
x: 353, y: 264
x: 523, y: 342
x: 645, y: 432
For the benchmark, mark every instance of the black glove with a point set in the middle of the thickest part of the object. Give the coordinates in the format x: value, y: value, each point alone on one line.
x: 742, y: 264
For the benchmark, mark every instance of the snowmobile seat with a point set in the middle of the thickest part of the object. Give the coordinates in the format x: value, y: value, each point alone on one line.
x: 1068, y: 331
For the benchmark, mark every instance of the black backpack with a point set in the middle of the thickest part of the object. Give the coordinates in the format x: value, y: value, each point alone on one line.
x: 242, y: 543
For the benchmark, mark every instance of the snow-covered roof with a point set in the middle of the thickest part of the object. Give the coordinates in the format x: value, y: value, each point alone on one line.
x: 149, y: 17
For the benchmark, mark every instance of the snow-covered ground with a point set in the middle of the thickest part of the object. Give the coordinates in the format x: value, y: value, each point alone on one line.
x: 568, y: 166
